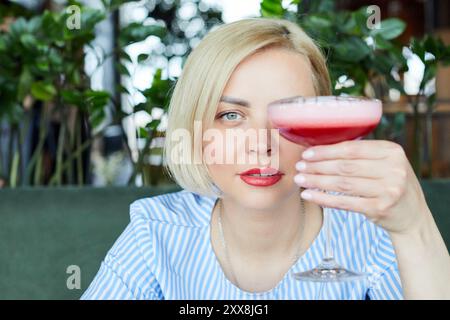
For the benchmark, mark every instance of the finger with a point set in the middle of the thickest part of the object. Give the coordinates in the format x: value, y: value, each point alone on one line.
x: 354, y: 168
x: 362, y: 187
x: 343, y: 202
x: 355, y: 149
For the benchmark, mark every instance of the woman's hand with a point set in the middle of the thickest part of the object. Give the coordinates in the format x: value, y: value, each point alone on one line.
x: 375, y: 177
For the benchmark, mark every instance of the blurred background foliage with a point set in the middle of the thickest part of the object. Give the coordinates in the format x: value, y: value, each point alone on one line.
x: 54, y: 112
x: 43, y: 78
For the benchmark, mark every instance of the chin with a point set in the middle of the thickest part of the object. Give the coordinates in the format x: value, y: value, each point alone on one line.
x: 260, y: 197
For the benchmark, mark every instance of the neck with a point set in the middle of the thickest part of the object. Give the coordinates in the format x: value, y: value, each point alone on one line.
x: 258, y: 233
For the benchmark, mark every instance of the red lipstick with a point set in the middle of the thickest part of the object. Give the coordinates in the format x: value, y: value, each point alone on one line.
x: 261, y: 177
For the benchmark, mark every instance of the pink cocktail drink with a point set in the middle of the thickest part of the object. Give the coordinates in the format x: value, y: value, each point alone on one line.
x: 325, y: 120
x: 319, y: 121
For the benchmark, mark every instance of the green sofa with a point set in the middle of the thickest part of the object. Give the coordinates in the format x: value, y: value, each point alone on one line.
x: 44, y: 231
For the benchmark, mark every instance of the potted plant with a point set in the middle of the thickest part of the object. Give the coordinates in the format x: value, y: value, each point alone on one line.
x: 42, y: 75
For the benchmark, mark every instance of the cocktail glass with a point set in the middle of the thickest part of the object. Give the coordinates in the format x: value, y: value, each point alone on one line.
x: 323, y: 120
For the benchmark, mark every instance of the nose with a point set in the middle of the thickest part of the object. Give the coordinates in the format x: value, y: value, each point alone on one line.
x: 261, y: 147
x: 263, y: 144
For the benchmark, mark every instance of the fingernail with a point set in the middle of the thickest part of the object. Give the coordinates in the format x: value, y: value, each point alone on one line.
x: 299, y: 178
x: 306, y: 195
x: 301, y: 165
x: 308, y: 154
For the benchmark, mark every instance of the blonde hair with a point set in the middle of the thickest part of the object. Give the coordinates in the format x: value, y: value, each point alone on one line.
x: 206, y: 73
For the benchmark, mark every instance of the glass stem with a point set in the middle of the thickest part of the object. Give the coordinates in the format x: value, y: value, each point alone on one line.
x: 328, y: 249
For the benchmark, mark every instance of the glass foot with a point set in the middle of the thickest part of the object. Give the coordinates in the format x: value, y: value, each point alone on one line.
x: 329, y: 271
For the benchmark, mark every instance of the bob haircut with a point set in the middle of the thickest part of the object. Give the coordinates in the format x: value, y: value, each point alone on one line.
x: 204, y: 77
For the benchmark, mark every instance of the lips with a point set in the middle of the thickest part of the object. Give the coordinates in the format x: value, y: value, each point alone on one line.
x: 261, y: 171
x: 261, y: 177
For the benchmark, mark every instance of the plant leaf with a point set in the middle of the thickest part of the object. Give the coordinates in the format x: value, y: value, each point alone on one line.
x: 44, y: 91
x: 389, y: 28
x: 142, y: 57
x: 352, y: 49
x: 271, y: 8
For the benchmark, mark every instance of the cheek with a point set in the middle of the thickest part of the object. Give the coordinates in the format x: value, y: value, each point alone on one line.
x: 223, y: 148
x: 217, y: 152
x: 223, y: 176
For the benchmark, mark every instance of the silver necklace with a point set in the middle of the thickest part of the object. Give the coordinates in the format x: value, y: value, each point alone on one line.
x: 225, y: 247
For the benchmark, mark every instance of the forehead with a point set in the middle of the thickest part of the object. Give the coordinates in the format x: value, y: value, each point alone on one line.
x: 274, y: 71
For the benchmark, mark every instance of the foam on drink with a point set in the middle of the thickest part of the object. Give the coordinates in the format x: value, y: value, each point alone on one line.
x: 325, y: 120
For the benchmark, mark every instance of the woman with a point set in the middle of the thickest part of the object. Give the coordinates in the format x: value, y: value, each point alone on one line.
x: 228, y: 236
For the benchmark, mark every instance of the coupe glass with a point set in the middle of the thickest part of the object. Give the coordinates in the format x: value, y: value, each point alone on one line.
x: 323, y: 120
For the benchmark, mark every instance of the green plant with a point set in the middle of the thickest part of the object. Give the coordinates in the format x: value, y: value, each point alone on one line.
x: 432, y: 52
x: 48, y: 77
x: 157, y: 96
x: 182, y: 33
x: 42, y: 63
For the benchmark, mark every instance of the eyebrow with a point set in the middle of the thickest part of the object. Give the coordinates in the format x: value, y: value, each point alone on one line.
x: 243, y: 102
x: 232, y: 100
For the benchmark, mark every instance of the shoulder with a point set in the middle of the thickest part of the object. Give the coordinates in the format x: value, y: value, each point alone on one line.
x: 182, y: 208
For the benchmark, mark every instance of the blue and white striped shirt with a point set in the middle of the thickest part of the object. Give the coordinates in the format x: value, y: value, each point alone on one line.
x: 165, y: 252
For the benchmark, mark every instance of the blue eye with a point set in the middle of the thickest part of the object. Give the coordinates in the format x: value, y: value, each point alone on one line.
x: 230, y: 116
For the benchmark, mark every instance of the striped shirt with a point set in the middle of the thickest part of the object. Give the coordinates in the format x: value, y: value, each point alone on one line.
x: 165, y: 252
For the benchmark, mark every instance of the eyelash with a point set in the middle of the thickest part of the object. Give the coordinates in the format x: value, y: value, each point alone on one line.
x: 220, y: 116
